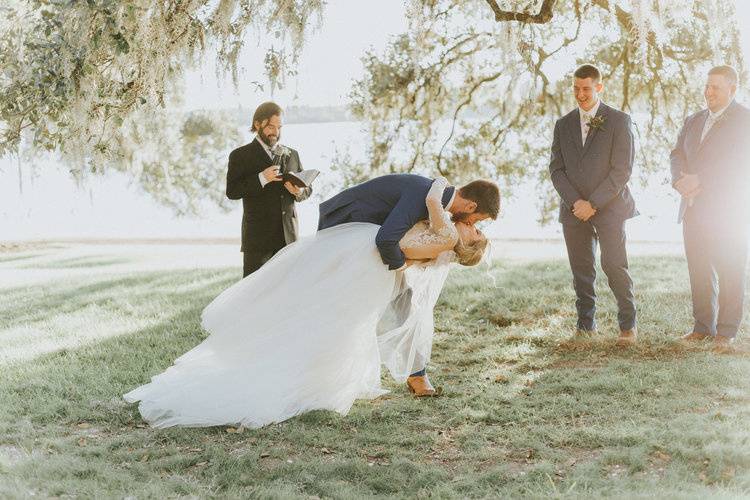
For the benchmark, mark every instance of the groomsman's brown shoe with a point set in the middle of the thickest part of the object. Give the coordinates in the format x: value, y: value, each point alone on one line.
x: 583, y: 334
x: 420, y: 386
x: 627, y: 337
x: 723, y: 345
x: 695, y: 337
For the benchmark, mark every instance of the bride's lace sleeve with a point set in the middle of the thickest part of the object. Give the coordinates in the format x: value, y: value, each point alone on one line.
x: 434, y: 202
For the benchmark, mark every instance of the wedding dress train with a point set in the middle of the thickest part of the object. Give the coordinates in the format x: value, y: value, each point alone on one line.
x: 307, y: 331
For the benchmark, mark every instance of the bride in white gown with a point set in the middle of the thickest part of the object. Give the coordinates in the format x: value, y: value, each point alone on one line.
x: 311, y: 328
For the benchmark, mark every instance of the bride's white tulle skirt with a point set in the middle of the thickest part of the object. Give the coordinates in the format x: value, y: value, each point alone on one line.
x: 307, y: 331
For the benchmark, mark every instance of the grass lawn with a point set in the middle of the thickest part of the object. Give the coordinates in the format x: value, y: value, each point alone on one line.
x: 526, y: 411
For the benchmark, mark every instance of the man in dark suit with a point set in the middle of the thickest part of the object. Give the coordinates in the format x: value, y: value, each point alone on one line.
x: 590, y: 165
x: 269, y: 219
x: 397, y: 202
x: 710, y: 170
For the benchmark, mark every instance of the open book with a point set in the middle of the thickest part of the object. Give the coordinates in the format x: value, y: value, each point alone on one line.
x: 300, y: 179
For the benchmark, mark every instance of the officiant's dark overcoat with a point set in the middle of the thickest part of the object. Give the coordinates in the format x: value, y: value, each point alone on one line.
x: 269, y: 219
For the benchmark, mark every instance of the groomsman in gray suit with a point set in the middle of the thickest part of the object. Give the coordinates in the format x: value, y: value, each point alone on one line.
x: 710, y: 170
x: 591, y: 162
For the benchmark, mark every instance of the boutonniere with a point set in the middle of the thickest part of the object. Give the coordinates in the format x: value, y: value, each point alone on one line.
x: 283, y: 151
x: 597, y: 122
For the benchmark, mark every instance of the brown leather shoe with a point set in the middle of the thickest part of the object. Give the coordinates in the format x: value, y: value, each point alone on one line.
x: 420, y: 386
x: 695, y: 337
x: 627, y: 337
x: 583, y: 334
x: 723, y: 345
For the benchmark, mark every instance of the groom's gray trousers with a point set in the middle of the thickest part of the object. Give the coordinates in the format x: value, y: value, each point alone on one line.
x: 581, y: 240
x: 716, y: 254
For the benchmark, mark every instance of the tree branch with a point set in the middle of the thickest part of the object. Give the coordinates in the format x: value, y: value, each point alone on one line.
x: 543, y: 17
x: 463, y: 104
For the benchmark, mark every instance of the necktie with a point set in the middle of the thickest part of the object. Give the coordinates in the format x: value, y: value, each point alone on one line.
x: 276, y: 161
x: 586, y: 126
x: 710, y: 121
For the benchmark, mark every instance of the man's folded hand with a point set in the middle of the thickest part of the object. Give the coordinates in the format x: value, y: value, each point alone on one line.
x: 583, y: 210
x: 688, y: 185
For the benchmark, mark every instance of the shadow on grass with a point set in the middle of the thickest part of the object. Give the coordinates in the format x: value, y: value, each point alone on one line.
x: 17, y: 257
x: 27, y: 305
x: 78, y: 262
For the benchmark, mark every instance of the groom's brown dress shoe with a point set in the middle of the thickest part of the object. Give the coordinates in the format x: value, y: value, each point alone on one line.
x: 695, y: 337
x: 723, y: 345
x: 627, y: 337
x: 420, y: 386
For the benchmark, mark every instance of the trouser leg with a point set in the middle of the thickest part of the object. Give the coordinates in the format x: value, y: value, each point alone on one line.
x: 612, y: 240
x: 580, y: 241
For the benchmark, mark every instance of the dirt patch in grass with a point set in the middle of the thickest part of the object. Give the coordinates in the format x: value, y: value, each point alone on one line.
x: 501, y: 320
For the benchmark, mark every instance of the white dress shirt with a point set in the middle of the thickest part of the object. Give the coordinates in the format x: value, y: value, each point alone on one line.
x: 453, y: 197
x: 711, y: 121
x: 268, y: 150
x: 586, y: 117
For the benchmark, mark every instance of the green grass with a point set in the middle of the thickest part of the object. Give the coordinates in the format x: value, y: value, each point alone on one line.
x: 76, y: 262
x: 526, y: 411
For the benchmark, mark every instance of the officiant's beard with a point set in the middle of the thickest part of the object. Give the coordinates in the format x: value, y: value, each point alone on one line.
x: 269, y: 140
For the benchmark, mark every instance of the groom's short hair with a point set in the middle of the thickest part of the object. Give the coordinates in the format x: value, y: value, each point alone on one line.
x: 485, y: 194
x: 727, y: 72
x: 264, y: 112
x: 588, y: 71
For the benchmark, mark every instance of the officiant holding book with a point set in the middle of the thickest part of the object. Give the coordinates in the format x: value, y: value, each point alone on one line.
x: 266, y: 176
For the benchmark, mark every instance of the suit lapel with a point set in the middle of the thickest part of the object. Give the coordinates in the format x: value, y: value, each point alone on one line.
x: 260, y: 153
x: 574, y: 130
x: 601, y: 112
x: 694, y: 137
x: 726, y: 116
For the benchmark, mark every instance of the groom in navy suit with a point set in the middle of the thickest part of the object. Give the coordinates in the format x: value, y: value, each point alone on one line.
x: 397, y: 202
x: 711, y: 171
x: 590, y: 165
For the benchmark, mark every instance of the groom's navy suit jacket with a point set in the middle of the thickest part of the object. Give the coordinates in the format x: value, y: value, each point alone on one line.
x: 395, y: 202
x: 597, y: 171
x: 722, y: 162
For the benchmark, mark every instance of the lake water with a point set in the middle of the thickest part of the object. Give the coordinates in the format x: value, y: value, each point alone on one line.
x: 52, y: 207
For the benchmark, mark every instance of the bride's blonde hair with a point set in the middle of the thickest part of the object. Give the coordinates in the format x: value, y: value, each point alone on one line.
x: 470, y: 254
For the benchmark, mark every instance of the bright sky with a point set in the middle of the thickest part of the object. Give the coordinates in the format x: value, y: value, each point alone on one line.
x: 743, y: 17
x: 331, y: 59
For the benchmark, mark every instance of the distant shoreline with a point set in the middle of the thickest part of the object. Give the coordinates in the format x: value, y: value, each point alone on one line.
x: 19, y: 245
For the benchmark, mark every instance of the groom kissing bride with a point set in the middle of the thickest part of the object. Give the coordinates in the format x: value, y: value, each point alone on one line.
x: 397, y: 203
x: 310, y: 329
